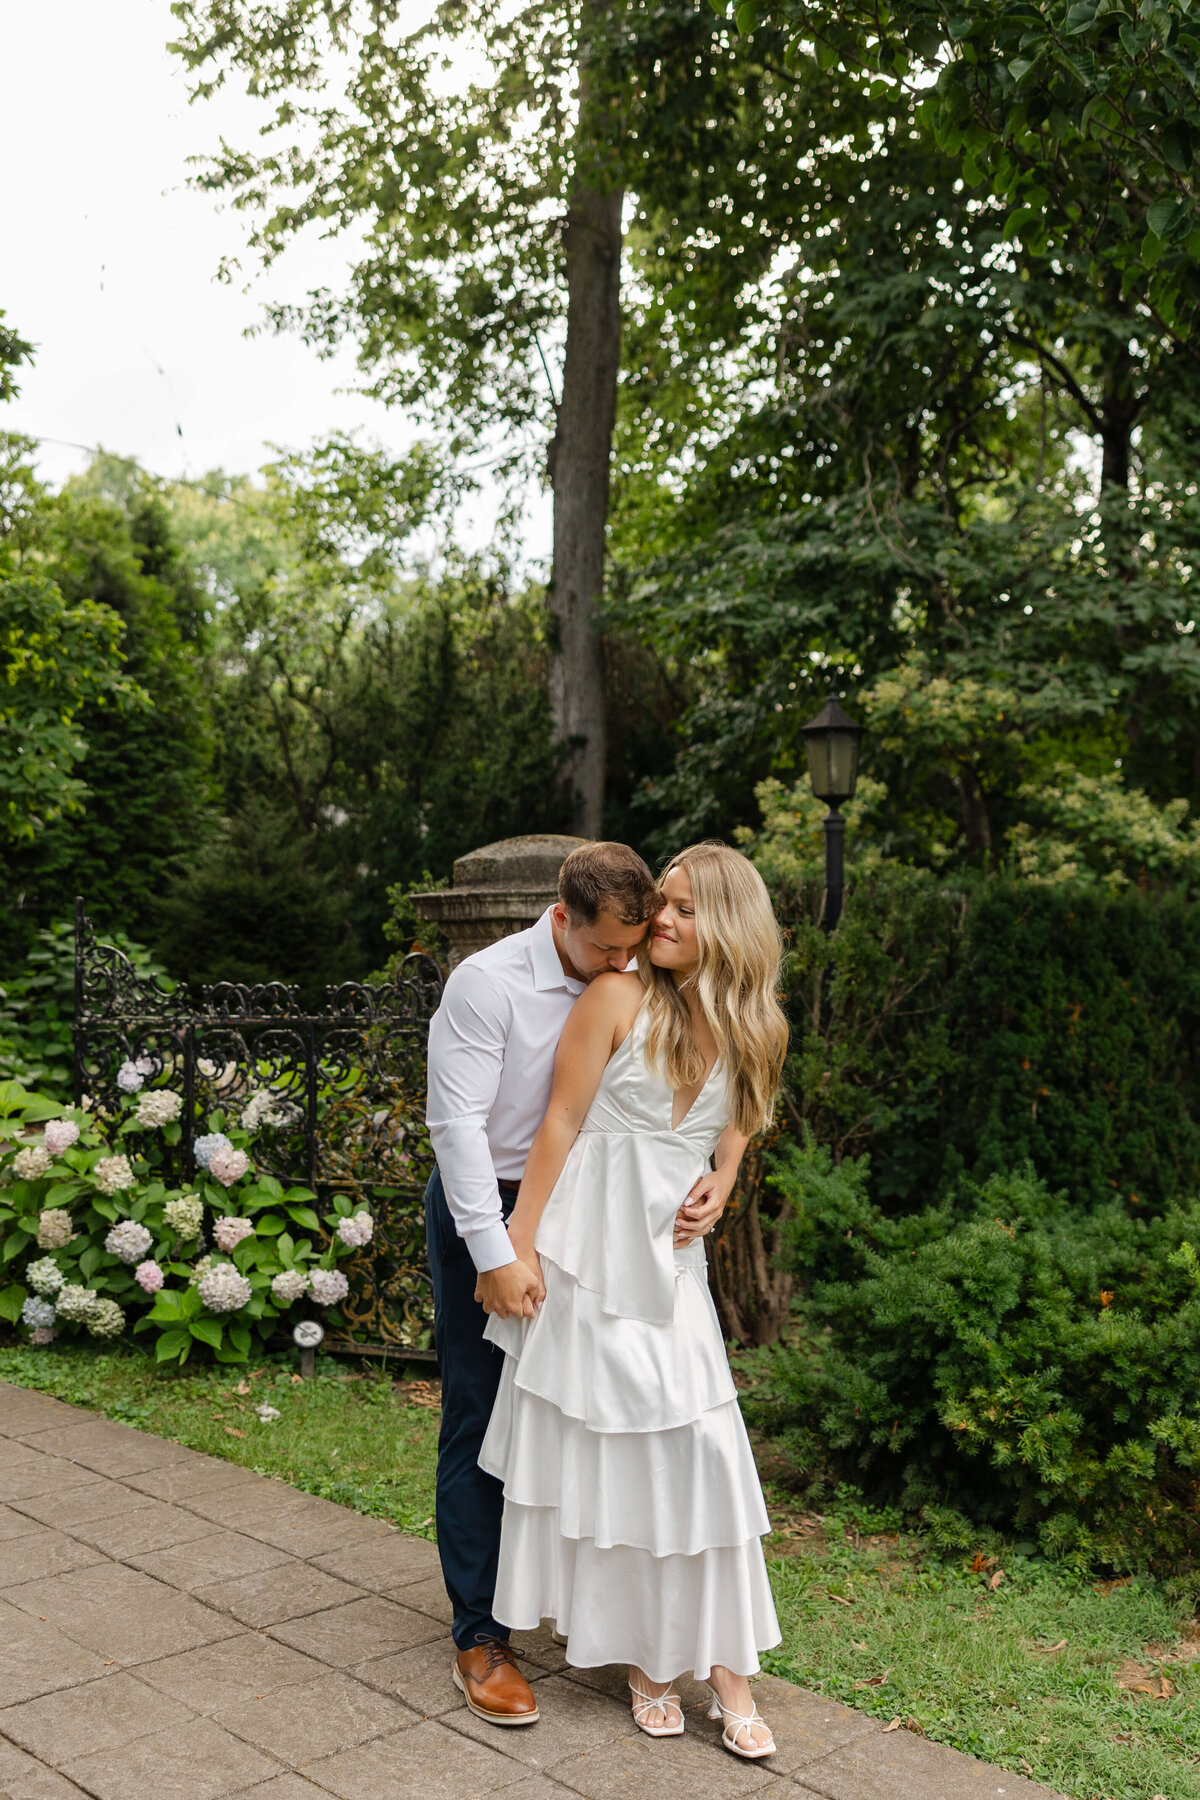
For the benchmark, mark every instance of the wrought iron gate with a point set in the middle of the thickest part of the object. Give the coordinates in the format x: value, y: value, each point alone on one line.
x: 352, y: 1087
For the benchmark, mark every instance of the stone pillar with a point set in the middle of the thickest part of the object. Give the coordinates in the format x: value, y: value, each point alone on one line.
x: 500, y: 889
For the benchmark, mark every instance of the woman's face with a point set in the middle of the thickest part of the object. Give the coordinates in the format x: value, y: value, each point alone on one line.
x: 673, y: 942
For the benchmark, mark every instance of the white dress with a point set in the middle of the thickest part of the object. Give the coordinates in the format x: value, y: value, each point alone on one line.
x: 632, y: 1506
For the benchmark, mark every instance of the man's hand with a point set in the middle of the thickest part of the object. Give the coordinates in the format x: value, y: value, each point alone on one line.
x: 702, y: 1208
x: 510, y: 1292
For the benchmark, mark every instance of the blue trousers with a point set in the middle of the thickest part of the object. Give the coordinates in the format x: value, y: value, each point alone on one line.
x: 469, y: 1502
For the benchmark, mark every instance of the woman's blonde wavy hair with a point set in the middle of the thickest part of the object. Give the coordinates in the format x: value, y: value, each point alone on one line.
x: 735, y: 981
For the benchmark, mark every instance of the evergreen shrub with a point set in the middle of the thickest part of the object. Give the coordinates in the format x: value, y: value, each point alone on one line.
x: 949, y: 1028
x: 1003, y: 1354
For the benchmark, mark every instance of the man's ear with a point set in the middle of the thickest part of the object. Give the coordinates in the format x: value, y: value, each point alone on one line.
x: 558, y: 913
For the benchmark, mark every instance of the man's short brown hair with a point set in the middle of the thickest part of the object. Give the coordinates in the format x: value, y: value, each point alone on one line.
x: 609, y: 878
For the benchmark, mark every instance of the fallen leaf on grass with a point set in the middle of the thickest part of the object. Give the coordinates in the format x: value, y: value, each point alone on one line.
x: 894, y: 1726
x: 232, y: 1431
x: 855, y: 1645
x: 1138, y: 1680
x: 875, y: 1680
x: 996, y: 1579
x: 840, y: 1601
x: 243, y: 1387
x: 915, y: 1726
x: 1050, y: 1649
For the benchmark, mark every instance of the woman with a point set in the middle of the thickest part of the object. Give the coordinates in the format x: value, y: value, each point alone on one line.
x: 632, y: 1507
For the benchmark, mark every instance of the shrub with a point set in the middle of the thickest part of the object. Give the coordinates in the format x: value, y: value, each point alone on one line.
x: 1001, y: 1354
x: 92, y: 1236
x: 37, y: 1007
x: 976, y: 1026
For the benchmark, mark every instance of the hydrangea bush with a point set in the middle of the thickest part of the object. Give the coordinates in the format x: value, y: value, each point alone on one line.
x: 93, y: 1240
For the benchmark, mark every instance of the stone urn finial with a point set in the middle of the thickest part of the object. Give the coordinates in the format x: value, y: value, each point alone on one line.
x: 502, y: 888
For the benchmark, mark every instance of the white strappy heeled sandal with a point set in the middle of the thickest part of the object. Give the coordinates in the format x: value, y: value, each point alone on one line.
x: 735, y: 1724
x: 643, y: 1703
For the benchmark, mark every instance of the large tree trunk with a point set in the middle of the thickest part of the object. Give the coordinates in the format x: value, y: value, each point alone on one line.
x: 579, y: 455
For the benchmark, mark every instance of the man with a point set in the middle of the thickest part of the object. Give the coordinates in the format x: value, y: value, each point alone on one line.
x: 491, y: 1058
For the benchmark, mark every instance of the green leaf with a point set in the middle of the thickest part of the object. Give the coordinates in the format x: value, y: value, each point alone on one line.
x: 172, y: 1343
x: 271, y: 1225
x: 62, y: 1193
x: 746, y: 15
x: 240, y: 1337
x: 12, y: 1095
x: 342, y: 1206
x: 1160, y: 215
x: 305, y: 1216
x: 226, y: 1353
x: 38, y: 1108
x: 209, y: 1331
x: 12, y: 1299
x: 90, y: 1261
x: 167, y: 1308
x: 14, y: 1243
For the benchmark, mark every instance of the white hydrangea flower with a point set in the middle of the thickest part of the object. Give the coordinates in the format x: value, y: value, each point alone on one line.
x: 54, y: 1230
x: 32, y: 1163
x: 76, y: 1302
x: 200, y: 1269
x: 230, y: 1232
x: 266, y: 1107
x: 185, y: 1215
x: 223, y: 1289
x: 39, y: 1315
x: 128, y: 1240
x: 44, y: 1276
x: 106, y: 1320
x: 130, y: 1078
x: 329, y: 1286
x: 206, y: 1066
x: 356, y: 1230
x: 59, y: 1135
x: 289, y: 1284
x: 158, y: 1107
x: 113, y: 1173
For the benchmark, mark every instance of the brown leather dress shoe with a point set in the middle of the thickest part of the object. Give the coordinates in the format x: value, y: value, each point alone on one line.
x: 492, y: 1685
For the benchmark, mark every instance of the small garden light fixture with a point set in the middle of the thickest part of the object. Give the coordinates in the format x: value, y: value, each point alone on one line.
x: 832, y: 740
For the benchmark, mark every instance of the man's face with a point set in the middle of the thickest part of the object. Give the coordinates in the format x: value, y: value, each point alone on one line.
x: 594, y: 949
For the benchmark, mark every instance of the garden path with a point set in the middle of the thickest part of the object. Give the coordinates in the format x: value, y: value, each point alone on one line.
x: 173, y: 1627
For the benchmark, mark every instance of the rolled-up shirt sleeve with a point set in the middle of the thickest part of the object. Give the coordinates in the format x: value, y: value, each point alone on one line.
x: 467, y: 1037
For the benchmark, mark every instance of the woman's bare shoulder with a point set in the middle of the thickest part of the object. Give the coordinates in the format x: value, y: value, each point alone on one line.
x: 612, y: 998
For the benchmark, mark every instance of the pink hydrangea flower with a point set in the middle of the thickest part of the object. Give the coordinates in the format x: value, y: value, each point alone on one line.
x: 59, y: 1135
x: 149, y: 1277
x: 230, y: 1232
x: 228, y: 1166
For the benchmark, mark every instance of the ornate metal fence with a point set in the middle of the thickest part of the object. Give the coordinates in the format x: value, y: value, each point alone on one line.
x: 350, y: 1087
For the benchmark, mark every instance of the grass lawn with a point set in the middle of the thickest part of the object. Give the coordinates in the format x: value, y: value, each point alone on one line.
x: 1092, y: 1688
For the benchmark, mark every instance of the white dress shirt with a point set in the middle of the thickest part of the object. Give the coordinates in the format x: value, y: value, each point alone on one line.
x: 491, y: 1062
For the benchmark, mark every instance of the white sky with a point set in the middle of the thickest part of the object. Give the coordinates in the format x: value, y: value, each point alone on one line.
x: 108, y: 264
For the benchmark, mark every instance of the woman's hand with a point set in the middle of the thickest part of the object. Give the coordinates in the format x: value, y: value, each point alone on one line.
x: 525, y: 1253
x: 704, y: 1205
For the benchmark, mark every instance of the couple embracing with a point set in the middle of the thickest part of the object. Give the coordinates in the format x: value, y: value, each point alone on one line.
x: 593, y: 1084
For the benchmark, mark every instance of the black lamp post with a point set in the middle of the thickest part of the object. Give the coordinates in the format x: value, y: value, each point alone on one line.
x: 832, y: 741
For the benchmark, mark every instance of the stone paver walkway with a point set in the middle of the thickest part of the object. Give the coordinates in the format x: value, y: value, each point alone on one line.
x: 173, y: 1627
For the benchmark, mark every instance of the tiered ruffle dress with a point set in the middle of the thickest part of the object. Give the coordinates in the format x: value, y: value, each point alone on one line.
x: 632, y: 1506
